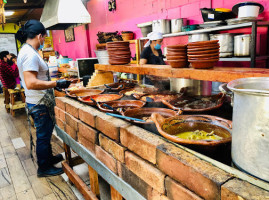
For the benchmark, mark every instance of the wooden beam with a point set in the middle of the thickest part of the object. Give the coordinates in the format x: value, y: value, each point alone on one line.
x: 94, y: 181
x: 115, y: 195
x: 80, y: 185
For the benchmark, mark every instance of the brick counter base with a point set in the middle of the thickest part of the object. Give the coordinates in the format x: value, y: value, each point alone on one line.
x: 155, y: 168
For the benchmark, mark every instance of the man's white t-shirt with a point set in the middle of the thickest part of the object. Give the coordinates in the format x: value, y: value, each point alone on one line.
x: 30, y: 60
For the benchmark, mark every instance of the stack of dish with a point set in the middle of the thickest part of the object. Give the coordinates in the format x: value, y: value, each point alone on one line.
x: 119, y: 52
x: 203, y: 55
x: 177, y: 56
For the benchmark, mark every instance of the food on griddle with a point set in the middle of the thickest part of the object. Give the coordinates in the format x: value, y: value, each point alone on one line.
x: 195, y: 102
x: 147, y: 119
x: 129, y: 93
x: 160, y: 97
x: 198, y: 135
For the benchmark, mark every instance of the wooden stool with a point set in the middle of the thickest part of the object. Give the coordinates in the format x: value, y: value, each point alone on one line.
x: 16, y: 104
x: 7, y: 99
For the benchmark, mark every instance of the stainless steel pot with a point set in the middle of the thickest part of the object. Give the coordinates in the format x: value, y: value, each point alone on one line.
x: 226, y: 41
x: 194, y: 87
x: 161, y: 25
x: 177, y: 24
x: 199, y: 37
x: 250, y: 134
x: 242, y: 45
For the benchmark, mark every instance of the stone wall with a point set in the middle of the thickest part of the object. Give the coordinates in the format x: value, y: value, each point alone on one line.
x: 155, y: 168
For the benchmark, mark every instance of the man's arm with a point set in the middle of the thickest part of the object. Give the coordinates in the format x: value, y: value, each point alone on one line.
x: 32, y: 83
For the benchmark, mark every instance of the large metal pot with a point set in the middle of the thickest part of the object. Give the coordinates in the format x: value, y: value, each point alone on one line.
x: 199, y: 37
x: 161, y: 25
x: 177, y: 24
x: 226, y: 41
x: 242, y: 45
x: 250, y: 134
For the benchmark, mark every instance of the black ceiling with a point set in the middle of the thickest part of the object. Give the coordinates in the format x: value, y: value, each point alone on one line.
x: 24, y: 11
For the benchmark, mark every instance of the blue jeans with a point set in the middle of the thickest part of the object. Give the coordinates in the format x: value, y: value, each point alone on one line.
x: 44, y: 128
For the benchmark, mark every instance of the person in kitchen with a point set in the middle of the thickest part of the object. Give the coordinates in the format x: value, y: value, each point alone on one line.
x: 34, y: 73
x: 152, y: 54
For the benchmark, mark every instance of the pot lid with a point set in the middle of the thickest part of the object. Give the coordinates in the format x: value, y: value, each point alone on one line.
x: 247, y: 3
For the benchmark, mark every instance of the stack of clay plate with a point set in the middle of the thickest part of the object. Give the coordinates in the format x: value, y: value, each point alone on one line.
x: 177, y: 56
x: 203, y: 55
x: 119, y: 52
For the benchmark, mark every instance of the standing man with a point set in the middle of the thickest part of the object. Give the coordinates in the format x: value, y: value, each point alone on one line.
x: 34, y: 73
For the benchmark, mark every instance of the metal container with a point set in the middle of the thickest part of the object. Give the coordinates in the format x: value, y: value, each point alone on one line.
x: 146, y: 28
x: 177, y: 24
x: 161, y: 25
x: 242, y: 45
x: 250, y: 134
x: 194, y: 87
x: 226, y: 41
x: 199, y: 37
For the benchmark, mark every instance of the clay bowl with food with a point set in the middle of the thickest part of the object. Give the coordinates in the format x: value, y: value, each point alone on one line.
x: 178, y: 63
x: 83, y: 92
x: 203, y: 64
x: 100, y: 98
x: 138, y: 92
x: 203, y: 52
x: 118, y: 86
x: 120, y: 106
x: 201, y: 43
x: 202, y: 132
x: 176, y: 57
x: 196, y: 104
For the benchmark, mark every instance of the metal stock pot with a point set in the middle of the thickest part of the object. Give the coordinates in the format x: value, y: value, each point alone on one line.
x: 250, y: 134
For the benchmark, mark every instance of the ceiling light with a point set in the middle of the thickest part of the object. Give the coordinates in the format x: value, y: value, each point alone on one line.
x: 9, y: 13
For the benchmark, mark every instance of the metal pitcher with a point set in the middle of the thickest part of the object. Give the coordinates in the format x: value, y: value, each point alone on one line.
x: 250, y: 134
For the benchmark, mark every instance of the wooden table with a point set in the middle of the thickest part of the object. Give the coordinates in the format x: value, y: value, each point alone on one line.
x: 219, y: 74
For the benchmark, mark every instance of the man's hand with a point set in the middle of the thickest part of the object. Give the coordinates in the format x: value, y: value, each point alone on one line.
x: 62, y: 83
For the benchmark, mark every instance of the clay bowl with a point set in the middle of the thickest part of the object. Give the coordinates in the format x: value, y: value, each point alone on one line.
x: 203, y: 64
x: 124, y: 105
x: 205, y: 58
x: 176, y: 50
x: 178, y: 63
x: 169, y: 127
x: 120, y: 86
x: 203, y: 103
x: 203, y: 52
x: 201, y: 43
x: 117, y: 57
x: 176, y: 57
x: 177, y: 54
x: 177, y: 47
x: 83, y: 92
x: 118, y: 49
x: 203, y: 49
x: 147, y: 112
x: 203, y: 55
x: 140, y: 91
x: 119, y: 52
x: 100, y: 98
x: 206, y: 47
x: 119, y: 62
x: 118, y: 43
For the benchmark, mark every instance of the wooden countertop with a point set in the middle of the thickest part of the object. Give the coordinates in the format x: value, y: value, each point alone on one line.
x: 220, y: 74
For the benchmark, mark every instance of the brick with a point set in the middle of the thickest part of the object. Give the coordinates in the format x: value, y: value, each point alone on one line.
x: 70, y: 131
x: 110, y: 126
x: 197, y: 175
x: 106, y: 158
x: 72, y: 107
x: 141, y: 142
x: 87, y: 144
x: 176, y: 191
x: 237, y: 189
x: 112, y: 147
x: 146, y: 171
x: 60, y: 102
x: 72, y: 121
x: 88, y: 114
x: 60, y: 123
x: 87, y: 132
x: 154, y: 195
x: 59, y: 113
x: 137, y: 183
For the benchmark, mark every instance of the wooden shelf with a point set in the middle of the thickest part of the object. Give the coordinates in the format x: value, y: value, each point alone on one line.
x: 220, y: 74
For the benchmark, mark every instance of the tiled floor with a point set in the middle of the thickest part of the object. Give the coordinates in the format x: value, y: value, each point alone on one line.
x: 18, y: 178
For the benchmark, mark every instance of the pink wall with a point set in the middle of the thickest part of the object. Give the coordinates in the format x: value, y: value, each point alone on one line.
x: 77, y: 49
x: 131, y: 12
